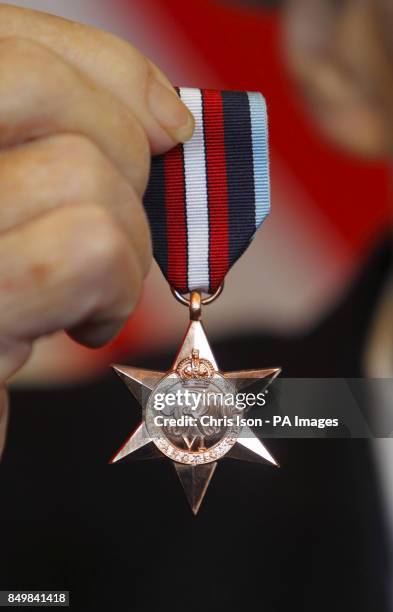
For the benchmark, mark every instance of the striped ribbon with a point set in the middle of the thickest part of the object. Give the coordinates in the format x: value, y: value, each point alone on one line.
x: 206, y: 198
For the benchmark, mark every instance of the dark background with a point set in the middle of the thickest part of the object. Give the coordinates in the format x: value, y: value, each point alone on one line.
x: 309, y: 535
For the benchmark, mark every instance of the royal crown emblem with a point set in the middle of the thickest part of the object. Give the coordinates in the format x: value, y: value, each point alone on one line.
x: 195, y: 368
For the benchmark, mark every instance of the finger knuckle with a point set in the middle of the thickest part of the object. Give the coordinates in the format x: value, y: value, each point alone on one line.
x: 28, y: 68
x: 102, y: 244
x: 19, y: 55
x: 136, y: 146
x: 105, y: 259
x: 17, y: 46
x: 76, y: 146
x: 84, y: 161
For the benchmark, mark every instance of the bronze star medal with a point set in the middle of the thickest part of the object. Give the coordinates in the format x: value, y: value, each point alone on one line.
x: 194, y: 434
x: 205, y: 201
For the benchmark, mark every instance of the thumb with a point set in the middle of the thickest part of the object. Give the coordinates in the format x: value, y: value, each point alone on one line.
x: 3, y: 418
x: 12, y: 357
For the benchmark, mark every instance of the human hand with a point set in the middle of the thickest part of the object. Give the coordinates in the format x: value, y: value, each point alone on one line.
x: 341, y: 55
x: 81, y: 112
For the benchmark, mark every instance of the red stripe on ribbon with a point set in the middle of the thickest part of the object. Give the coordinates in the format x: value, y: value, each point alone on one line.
x: 216, y: 186
x: 176, y: 222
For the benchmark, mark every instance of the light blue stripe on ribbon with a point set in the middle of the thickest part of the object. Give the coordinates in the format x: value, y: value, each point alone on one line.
x: 260, y: 155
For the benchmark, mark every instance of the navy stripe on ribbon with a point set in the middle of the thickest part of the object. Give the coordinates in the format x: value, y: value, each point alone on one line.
x: 240, y: 173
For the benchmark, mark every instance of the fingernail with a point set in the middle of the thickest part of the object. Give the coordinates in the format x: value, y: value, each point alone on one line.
x: 169, y: 111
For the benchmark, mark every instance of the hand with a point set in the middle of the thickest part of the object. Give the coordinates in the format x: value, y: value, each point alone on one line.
x: 341, y: 54
x: 81, y: 112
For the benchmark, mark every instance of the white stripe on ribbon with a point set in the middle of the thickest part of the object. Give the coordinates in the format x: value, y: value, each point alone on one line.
x: 196, y: 196
x: 260, y: 155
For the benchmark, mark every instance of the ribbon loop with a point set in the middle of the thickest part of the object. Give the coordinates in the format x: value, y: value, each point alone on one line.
x: 206, y: 198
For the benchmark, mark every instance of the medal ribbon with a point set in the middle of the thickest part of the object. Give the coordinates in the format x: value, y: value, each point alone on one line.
x: 206, y: 198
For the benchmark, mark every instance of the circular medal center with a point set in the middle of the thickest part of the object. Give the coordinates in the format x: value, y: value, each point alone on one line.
x: 190, y: 415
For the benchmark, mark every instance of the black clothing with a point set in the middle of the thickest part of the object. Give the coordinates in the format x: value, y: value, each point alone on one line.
x: 308, y: 536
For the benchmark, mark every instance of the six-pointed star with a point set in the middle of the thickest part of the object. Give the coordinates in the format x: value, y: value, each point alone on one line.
x: 194, y: 478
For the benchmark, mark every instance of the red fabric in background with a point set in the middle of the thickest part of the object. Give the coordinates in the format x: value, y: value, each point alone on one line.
x: 226, y: 46
x: 242, y: 49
